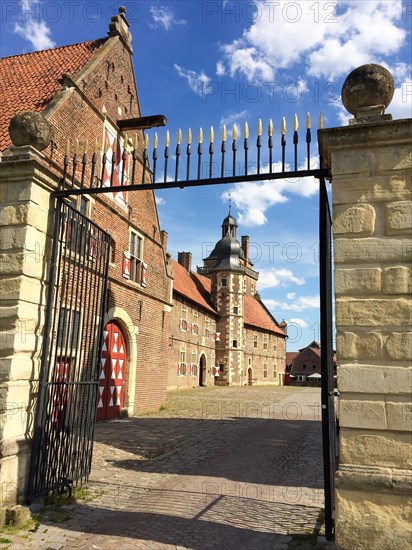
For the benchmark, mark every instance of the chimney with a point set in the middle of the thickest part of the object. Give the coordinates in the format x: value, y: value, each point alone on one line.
x: 245, y: 246
x: 163, y: 239
x: 185, y: 259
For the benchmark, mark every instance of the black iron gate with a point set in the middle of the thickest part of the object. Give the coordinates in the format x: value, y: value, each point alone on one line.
x: 66, y: 410
x: 68, y: 381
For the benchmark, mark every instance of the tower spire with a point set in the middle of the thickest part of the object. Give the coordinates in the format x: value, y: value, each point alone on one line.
x: 229, y: 225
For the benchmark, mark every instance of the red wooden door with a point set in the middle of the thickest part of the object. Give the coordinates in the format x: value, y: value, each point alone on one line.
x: 112, y: 371
x: 61, y: 380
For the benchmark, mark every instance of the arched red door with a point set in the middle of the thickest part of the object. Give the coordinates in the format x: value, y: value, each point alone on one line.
x: 112, y: 372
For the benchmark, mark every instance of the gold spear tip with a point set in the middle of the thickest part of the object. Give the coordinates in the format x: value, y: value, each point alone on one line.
x: 179, y: 136
x: 146, y: 141
x: 167, y: 138
x: 224, y: 133
x: 76, y: 146
x: 321, y: 123
x: 86, y: 146
x: 259, y: 128
x: 155, y: 141
x: 246, y: 131
x: 308, y: 122
x: 200, y: 136
x: 211, y: 135
x: 283, y: 127
x: 189, y: 136
x: 67, y: 147
x: 234, y: 132
x: 135, y: 143
x: 270, y: 128
x: 295, y: 123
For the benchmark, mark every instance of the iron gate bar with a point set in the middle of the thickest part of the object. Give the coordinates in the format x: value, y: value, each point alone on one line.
x: 316, y: 173
x: 326, y: 346
x: 69, y: 374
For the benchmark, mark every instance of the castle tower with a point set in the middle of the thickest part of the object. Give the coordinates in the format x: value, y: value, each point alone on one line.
x: 231, y: 277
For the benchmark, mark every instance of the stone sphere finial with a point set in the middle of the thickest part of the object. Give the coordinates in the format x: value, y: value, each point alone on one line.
x: 368, y: 90
x: 30, y: 128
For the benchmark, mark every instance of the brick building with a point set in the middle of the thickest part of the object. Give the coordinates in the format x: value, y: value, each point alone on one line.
x: 305, y: 364
x: 221, y: 331
x: 83, y: 90
x: 75, y: 97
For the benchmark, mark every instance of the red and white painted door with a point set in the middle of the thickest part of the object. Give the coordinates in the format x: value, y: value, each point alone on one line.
x: 112, y: 372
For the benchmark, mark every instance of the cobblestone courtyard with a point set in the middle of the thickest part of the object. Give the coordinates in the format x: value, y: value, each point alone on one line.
x: 232, y: 468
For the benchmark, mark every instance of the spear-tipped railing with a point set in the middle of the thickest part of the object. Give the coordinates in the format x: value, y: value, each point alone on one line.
x: 259, y: 164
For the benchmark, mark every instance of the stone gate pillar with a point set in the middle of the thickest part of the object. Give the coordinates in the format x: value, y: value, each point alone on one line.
x: 25, y: 224
x: 370, y: 162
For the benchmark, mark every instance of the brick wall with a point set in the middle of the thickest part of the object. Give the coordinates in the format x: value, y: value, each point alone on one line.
x: 264, y: 352
x: 192, y: 330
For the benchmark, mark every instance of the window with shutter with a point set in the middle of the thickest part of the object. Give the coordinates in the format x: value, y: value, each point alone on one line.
x: 138, y: 269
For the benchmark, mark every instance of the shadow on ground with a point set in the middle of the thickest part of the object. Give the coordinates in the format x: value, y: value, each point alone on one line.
x: 251, y: 450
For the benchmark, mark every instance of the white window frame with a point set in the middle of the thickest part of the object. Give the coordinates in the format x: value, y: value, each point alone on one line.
x: 183, y: 319
x: 136, y: 262
x: 182, y: 363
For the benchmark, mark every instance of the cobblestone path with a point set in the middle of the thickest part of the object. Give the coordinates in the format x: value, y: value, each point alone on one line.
x: 219, y: 468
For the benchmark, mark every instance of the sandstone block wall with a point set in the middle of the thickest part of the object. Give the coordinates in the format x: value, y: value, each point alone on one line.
x: 25, y: 183
x: 372, y: 216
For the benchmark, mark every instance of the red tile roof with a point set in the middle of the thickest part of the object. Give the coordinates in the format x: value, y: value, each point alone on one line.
x: 192, y: 286
x: 29, y: 82
x: 290, y: 356
x: 197, y: 288
x: 256, y: 315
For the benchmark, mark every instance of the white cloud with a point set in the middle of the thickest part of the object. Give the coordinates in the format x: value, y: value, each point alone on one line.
x: 401, y: 105
x: 269, y: 278
x: 220, y: 69
x: 198, y: 82
x: 159, y: 200
x: 253, y: 199
x: 234, y: 118
x: 298, y: 304
x: 330, y: 38
x: 32, y: 29
x: 401, y: 72
x: 163, y: 17
x: 300, y: 322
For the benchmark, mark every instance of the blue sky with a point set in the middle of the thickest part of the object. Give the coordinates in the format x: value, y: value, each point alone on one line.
x: 209, y: 63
